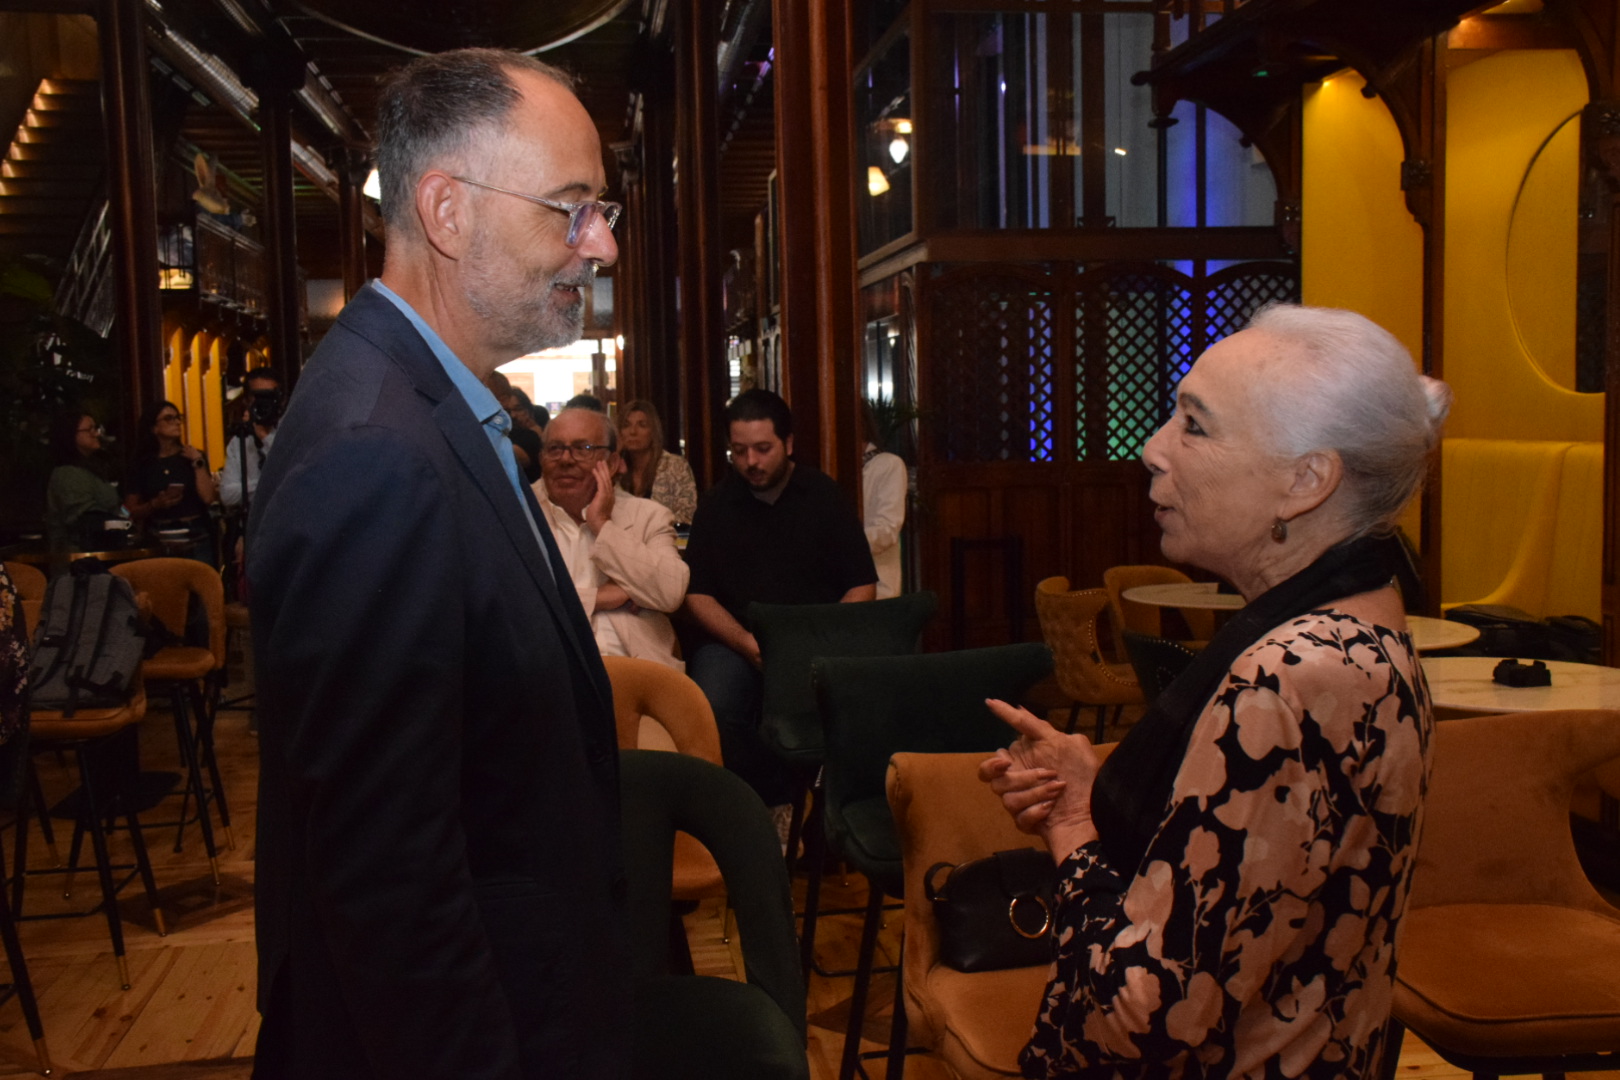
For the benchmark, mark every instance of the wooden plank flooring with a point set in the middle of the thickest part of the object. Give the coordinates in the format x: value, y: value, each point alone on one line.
x: 192, y: 993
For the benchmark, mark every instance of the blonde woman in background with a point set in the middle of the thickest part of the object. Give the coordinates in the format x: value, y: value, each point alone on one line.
x: 650, y: 471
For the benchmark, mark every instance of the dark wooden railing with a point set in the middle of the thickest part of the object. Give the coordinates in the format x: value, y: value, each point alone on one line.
x: 1196, y: 12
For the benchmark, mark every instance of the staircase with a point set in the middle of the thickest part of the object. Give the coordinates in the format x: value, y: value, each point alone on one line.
x: 52, y: 171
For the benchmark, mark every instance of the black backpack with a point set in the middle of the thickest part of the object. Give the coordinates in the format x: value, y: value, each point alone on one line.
x: 87, y: 650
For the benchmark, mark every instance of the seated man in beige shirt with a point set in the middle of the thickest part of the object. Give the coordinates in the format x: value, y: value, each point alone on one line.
x: 620, y: 549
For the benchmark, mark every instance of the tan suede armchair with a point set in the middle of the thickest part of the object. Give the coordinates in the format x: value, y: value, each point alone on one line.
x: 1068, y: 620
x: 1509, y: 960
x: 646, y: 688
x: 976, y: 1024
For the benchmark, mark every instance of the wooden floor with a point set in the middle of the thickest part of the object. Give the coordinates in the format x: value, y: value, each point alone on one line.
x: 192, y: 993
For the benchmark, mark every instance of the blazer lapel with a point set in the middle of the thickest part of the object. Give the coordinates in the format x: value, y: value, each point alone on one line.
x: 374, y: 317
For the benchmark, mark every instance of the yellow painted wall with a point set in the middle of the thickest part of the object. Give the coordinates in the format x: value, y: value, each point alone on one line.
x: 1360, y: 248
x: 1501, y: 109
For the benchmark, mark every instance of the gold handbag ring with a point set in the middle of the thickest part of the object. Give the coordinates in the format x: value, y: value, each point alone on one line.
x: 1046, y: 917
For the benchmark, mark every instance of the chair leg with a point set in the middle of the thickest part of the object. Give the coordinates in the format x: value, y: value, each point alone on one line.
x: 205, y: 745
x: 143, y: 864
x: 194, y: 782
x: 815, y: 851
x: 897, y: 1029
x: 91, y: 813
x: 795, y: 830
x: 19, y: 855
x: 19, y: 975
x: 46, y: 829
x: 863, y: 982
x: 1102, y: 723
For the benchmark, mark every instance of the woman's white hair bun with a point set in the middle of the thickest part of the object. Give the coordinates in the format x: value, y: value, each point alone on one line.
x: 1438, y: 396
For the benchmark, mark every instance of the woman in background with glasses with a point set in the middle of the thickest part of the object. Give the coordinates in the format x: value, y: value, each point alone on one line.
x: 79, y: 497
x: 170, y: 485
x: 650, y: 471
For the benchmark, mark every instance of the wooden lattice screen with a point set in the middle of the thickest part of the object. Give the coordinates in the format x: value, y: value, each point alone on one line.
x: 996, y: 390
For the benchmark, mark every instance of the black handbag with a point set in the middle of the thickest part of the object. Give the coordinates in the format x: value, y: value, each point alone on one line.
x: 995, y: 912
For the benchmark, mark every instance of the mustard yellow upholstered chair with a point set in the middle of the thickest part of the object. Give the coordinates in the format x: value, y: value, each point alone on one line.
x: 1068, y: 619
x: 190, y: 675
x: 645, y: 688
x: 1508, y: 957
x: 104, y: 795
x: 976, y: 1023
x: 1145, y: 619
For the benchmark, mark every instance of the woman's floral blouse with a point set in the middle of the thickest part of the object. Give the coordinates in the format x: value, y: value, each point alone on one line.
x: 1257, y: 937
x: 13, y: 660
x: 674, y: 487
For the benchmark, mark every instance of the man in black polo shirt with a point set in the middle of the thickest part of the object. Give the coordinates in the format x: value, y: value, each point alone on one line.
x: 772, y: 531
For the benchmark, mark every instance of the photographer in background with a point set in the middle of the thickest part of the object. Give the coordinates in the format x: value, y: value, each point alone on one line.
x: 251, y: 439
x: 244, y: 460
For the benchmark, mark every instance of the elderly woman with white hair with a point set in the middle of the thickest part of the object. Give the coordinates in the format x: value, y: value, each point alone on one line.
x: 1230, y: 881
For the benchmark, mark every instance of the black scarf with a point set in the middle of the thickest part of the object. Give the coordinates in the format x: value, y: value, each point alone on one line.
x: 1132, y: 789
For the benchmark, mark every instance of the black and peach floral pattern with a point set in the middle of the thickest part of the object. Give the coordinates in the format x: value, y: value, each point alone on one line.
x: 1257, y: 938
x: 13, y: 660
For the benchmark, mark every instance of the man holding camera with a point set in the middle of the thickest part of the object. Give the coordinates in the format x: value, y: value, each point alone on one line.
x: 262, y: 390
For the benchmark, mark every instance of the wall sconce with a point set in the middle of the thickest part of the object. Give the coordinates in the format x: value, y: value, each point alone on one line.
x: 876, y: 182
x: 898, y: 149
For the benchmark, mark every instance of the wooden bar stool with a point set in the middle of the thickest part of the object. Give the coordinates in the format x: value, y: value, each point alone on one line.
x: 93, y: 735
x: 189, y: 674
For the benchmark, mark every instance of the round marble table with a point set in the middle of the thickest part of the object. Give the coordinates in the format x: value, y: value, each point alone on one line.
x: 1464, y: 683
x: 1185, y: 594
x: 1428, y: 634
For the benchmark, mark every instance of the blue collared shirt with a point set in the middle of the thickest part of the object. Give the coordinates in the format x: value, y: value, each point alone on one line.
x: 484, y: 406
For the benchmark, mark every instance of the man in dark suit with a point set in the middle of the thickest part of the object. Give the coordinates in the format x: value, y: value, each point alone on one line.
x: 439, y: 883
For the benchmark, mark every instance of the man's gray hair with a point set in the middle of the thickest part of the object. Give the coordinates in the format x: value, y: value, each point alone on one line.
x: 437, y: 107
x: 1350, y: 386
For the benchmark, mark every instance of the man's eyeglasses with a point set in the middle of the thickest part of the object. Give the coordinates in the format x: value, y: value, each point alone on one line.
x: 580, y: 214
x: 577, y: 451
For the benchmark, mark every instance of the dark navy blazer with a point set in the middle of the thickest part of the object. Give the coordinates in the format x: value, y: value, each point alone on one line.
x: 438, y: 876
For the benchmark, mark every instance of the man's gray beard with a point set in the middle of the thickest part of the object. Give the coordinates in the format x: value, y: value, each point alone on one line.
x: 530, y: 335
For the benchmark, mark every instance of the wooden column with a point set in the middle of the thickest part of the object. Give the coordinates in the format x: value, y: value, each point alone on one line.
x: 662, y: 348
x: 353, y: 167
x: 630, y: 286
x: 820, y: 336
x: 132, y: 210
x: 1603, y: 121
x: 1601, y: 57
x: 702, y: 334
x: 1424, y: 181
x: 280, y: 236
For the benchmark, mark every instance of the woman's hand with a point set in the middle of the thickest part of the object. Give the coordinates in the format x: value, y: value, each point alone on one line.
x: 1044, y: 780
